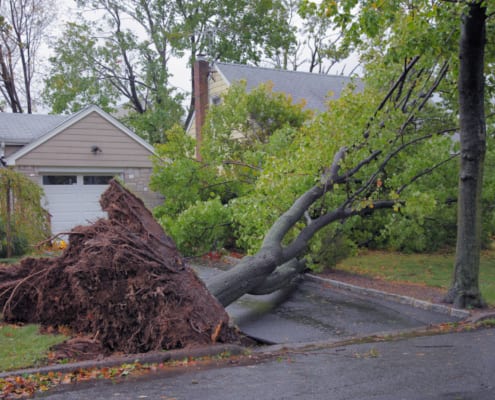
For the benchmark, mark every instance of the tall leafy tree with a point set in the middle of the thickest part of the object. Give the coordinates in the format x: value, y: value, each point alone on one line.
x: 389, y: 32
x: 105, y: 63
x: 23, y: 27
x: 126, y: 53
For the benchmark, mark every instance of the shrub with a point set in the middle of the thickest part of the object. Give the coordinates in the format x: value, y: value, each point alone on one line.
x: 202, y: 227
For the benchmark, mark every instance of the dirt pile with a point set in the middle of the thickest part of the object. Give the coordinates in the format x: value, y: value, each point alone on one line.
x: 120, y: 281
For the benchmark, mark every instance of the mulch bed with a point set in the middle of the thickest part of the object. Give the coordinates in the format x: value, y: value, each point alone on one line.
x: 417, y: 291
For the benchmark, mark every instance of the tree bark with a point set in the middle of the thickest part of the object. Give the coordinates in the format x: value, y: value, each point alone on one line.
x: 8, y: 222
x: 275, y: 265
x: 465, y: 291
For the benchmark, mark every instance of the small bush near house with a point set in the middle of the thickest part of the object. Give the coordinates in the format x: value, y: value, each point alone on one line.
x: 19, y: 242
x: 21, y: 211
x: 203, y: 227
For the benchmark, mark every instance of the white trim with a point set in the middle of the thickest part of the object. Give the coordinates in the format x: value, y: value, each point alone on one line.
x: 79, y: 170
x: 71, y: 121
x: 191, y: 122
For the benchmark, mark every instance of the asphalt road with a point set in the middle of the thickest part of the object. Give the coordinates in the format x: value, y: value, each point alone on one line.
x: 457, y: 366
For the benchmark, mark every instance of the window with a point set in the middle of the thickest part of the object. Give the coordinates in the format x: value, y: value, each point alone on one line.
x: 216, y: 100
x: 59, y: 179
x: 97, y: 179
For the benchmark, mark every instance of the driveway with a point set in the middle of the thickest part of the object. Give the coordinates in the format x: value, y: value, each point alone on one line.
x: 313, y: 311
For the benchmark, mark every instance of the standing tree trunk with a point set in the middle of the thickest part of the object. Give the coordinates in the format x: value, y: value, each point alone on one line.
x: 8, y: 219
x: 464, y: 291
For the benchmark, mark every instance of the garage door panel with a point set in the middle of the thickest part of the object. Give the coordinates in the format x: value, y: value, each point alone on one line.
x: 72, y: 205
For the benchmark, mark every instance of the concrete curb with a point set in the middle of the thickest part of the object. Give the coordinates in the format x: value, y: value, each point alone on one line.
x: 422, y: 304
x: 144, y: 358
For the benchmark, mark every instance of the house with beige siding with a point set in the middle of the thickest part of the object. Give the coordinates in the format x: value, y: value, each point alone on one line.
x: 73, y: 158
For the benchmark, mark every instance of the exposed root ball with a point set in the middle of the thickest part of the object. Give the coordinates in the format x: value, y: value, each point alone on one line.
x: 121, y: 281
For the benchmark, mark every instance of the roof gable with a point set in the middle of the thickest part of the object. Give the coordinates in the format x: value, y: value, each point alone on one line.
x: 71, y: 120
x: 314, y: 89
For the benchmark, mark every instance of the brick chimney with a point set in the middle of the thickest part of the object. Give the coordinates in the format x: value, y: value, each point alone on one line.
x: 201, y: 70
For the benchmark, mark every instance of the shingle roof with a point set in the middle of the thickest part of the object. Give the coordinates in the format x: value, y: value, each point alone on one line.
x: 315, y: 89
x: 25, y: 128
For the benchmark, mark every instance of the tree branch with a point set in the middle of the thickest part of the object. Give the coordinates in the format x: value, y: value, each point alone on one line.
x: 401, y: 78
x: 426, y: 171
x: 283, y: 276
x: 241, y: 164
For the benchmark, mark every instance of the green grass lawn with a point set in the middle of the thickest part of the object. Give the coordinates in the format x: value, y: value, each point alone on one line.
x: 427, y: 269
x: 24, y: 346
x: 12, y: 260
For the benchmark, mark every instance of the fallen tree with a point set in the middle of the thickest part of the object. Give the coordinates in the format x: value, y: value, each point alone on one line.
x: 281, y: 256
x: 121, y: 281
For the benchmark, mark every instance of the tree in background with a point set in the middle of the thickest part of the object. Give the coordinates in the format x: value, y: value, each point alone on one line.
x: 109, y: 61
x: 23, y: 28
x: 317, y: 47
x: 105, y: 63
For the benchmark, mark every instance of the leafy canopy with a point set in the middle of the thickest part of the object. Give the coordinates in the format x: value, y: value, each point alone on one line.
x: 261, y: 152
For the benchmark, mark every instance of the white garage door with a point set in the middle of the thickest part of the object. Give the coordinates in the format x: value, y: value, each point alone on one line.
x: 73, y: 199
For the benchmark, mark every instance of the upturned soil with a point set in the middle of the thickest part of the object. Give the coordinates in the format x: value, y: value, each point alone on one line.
x: 120, y: 286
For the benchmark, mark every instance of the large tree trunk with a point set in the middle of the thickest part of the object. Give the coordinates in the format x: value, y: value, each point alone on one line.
x: 464, y: 291
x: 275, y: 265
